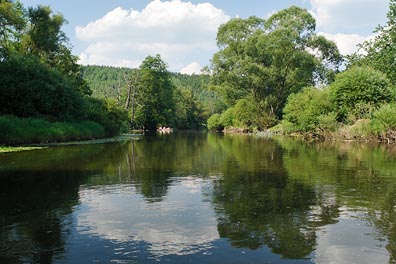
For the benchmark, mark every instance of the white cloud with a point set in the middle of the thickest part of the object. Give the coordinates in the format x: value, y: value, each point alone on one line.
x: 349, y: 16
x: 348, y: 22
x: 178, y: 225
x: 347, y: 43
x: 192, y: 68
x: 180, y: 31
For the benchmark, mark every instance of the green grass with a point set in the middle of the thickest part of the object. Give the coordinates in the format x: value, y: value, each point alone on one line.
x: 22, y: 131
x: 17, y: 149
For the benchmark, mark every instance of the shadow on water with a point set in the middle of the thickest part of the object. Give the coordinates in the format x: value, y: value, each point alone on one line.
x: 277, y: 194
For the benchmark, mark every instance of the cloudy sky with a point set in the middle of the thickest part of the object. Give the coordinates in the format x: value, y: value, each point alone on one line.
x: 124, y: 32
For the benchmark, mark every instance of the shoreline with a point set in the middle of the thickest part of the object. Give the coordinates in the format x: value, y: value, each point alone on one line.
x: 35, y: 146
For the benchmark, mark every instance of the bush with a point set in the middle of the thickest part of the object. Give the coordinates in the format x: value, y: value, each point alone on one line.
x: 214, y: 123
x: 358, y: 91
x: 106, y: 113
x: 309, y: 110
x: 384, y: 119
x: 29, y: 88
x: 227, y: 118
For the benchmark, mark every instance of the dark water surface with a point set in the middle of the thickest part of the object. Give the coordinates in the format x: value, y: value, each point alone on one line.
x: 199, y: 198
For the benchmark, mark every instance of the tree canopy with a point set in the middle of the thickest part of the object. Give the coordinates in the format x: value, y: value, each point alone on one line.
x: 155, y: 105
x: 267, y: 60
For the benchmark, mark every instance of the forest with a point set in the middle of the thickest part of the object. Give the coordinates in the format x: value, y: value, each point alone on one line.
x: 275, y: 75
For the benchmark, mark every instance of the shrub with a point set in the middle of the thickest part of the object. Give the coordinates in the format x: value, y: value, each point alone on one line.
x: 384, y: 119
x: 29, y: 88
x: 245, y: 114
x: 107, y: 114
x: 227, y: 117
x: 358, y: 91
x: 214, y: 123
x: 309, y: 110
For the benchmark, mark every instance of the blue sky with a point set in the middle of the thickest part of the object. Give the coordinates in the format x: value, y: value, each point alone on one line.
x: 124, y: 32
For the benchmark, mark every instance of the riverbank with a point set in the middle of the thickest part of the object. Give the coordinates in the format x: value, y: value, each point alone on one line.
x: 123, y: 137
x: 16, y: 131
x: 362, y: 130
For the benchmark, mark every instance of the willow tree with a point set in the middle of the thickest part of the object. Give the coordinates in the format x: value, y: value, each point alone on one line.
x: 267, y: 60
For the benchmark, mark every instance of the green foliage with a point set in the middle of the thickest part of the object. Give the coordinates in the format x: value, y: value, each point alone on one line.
x: 214, y: 123
x: 380, y: 52
x: 156, y: 106
x: 227, y: 118
x: 30, y: 88
x: 194, y: 103
x: 106, y: 113
x: 189, y: 112
x: 244, y: 114
x: 106, y: 81
x: 40, y: 78
x: 309, y: 110
x: 384, y: 119
x: 358, y: 91
x: 12, y: 22
x: 14, y: 130
x: 269, y: 60
x: 44, y: 39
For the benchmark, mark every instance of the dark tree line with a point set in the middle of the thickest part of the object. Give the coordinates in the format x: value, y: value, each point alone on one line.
x: 39, y: 77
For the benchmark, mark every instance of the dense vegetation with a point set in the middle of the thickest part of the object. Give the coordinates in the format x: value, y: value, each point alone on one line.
x: 279, y: 72
x: 360, y: 103
x: 267, y: 73
x: 43, y: 94
x: 188, y: 101
x: 261, y: 62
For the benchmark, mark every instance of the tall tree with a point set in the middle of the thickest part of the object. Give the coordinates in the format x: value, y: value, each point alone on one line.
x: 155, y: 103
x: 45, y: 39
x: 268, y: 60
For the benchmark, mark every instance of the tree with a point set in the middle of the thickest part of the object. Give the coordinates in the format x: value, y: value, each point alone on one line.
x: 155, y: 103
x: 269, y: 60
x: 380, y: 52
x: 31, y: 88
x: 45, y: 39
x: 39, y: 77
x: 12, y: 22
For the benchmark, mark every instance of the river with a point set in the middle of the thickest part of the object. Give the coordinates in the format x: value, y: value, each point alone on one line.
x: 199, y: 198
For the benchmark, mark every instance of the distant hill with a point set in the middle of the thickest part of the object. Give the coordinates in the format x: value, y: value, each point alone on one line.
x: 111, y: 82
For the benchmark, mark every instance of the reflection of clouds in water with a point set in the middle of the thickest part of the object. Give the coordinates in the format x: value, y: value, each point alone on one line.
x: 349, y: 241
x: 181, y: 224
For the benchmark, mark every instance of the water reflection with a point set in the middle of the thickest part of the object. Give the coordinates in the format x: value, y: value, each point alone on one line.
x: 199, y: 197
x: 178, y: 225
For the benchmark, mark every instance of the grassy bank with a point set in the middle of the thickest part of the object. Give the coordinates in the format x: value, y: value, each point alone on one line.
x: 18, y: 131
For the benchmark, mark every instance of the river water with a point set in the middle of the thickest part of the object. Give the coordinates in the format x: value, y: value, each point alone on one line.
x: 199, y: 198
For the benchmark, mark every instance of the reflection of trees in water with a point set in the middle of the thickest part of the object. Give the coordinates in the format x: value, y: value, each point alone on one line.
x: 385, y: 220
x: 262, y: 212
x: 257, y: 204
x: 153, y: 163
x: 265, y: 193
x: 35, y: 211
x: 361, y: 175
x: 38, y: 191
